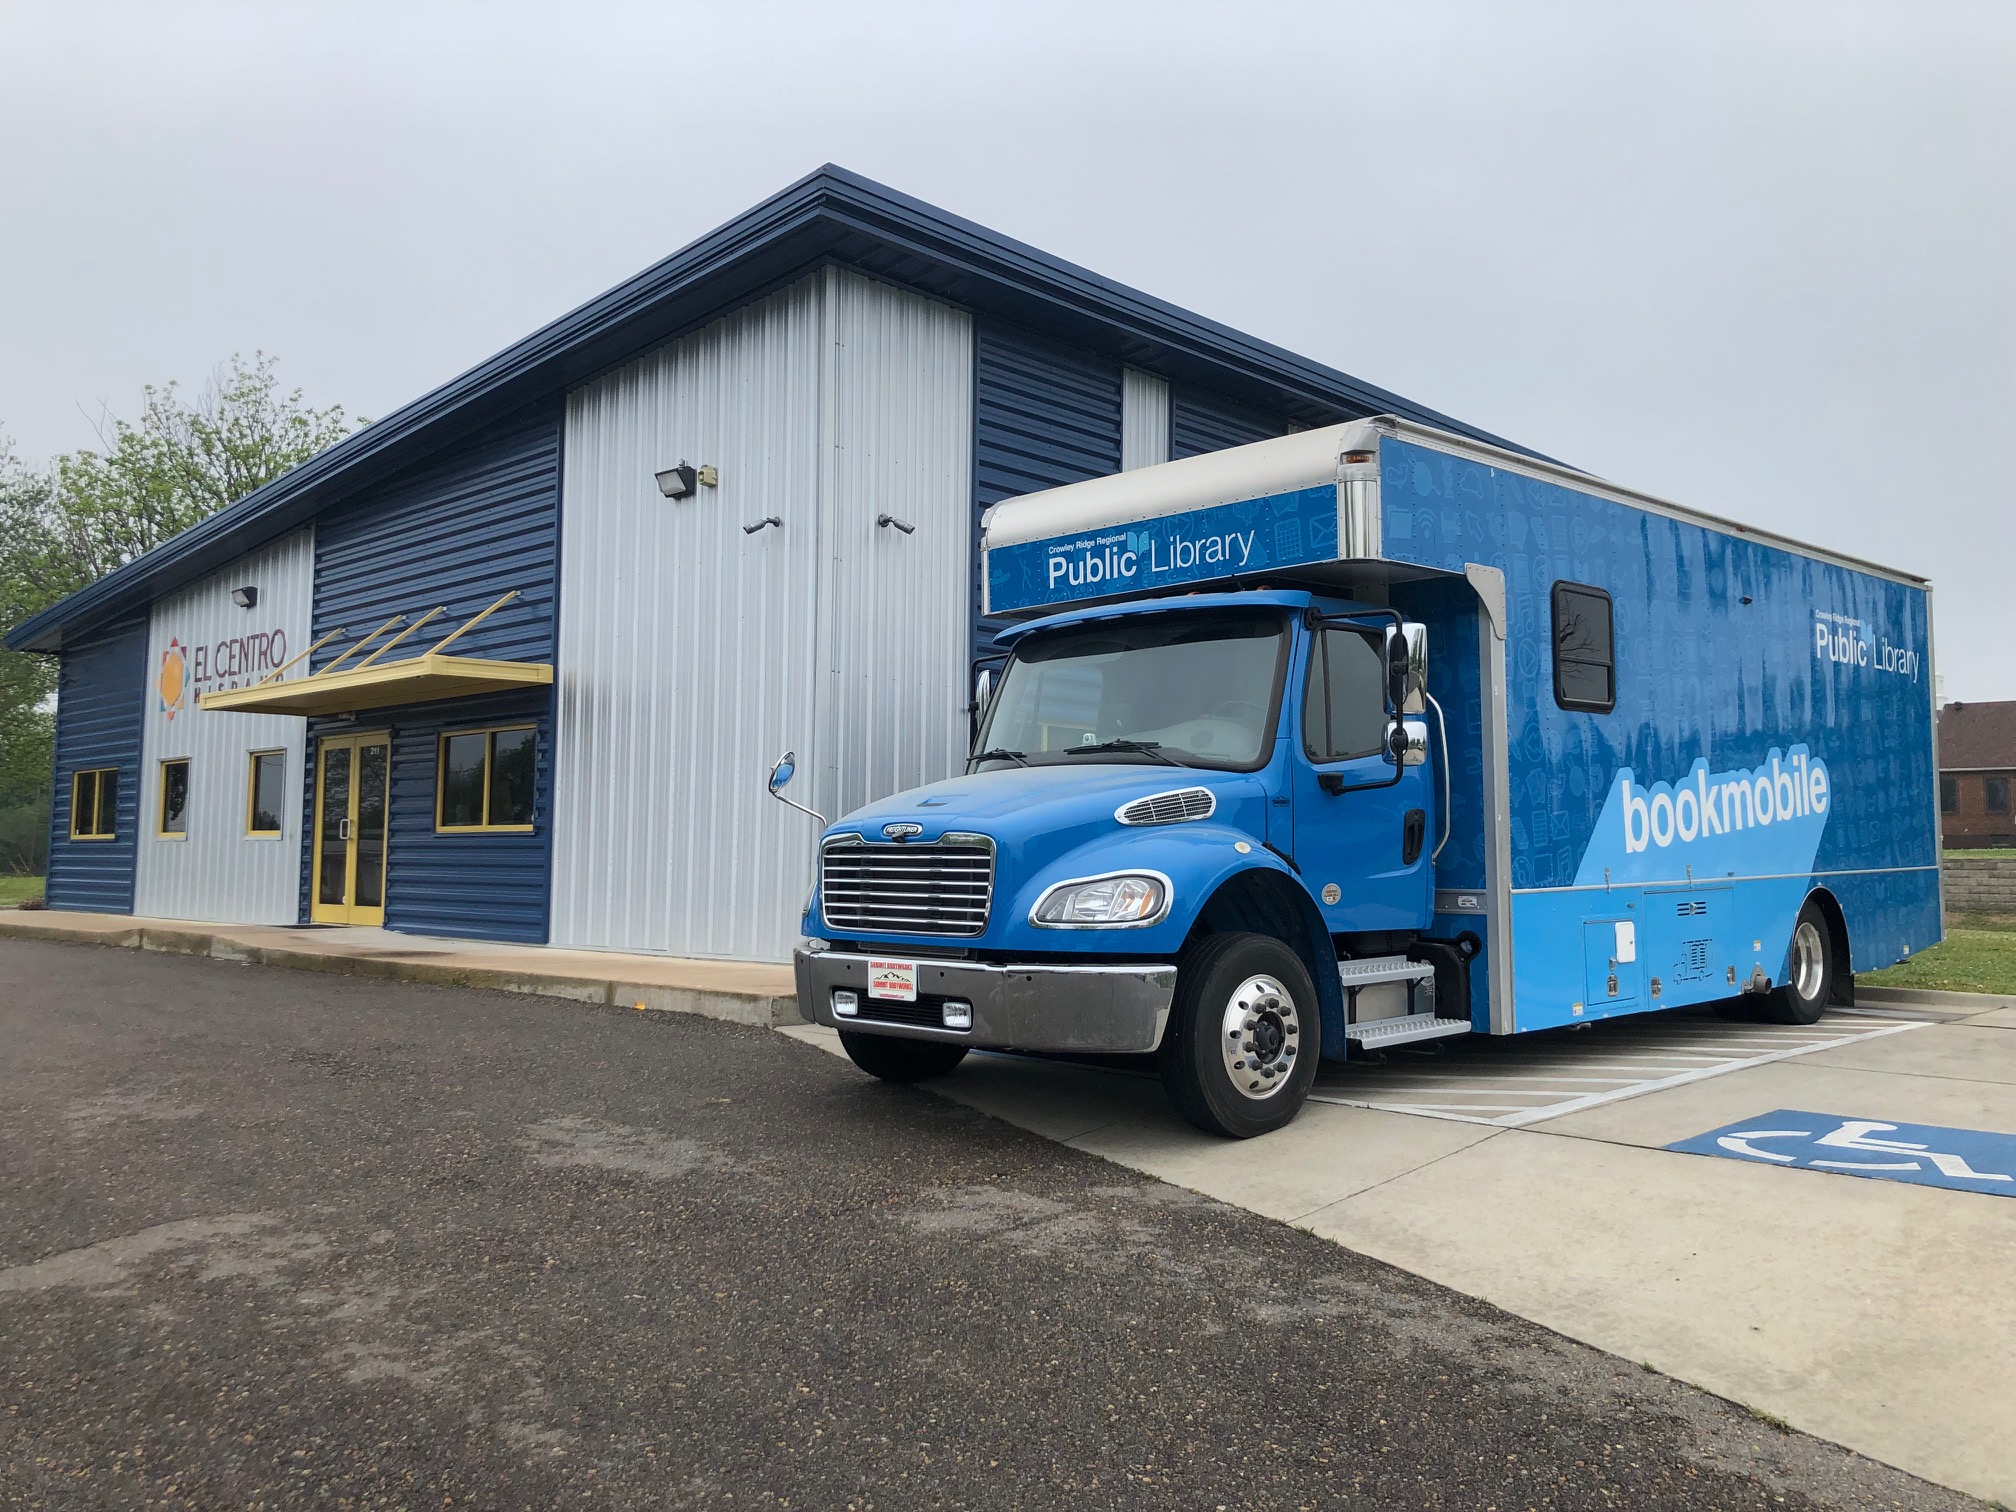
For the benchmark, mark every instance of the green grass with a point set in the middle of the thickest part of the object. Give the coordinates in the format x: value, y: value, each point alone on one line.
x: 15, y: 890
x: 1977, y: 955
x: 2006, y: 853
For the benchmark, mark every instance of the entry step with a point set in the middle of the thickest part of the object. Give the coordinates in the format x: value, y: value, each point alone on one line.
x: 1389, y: 968
x: 1404, y: 1029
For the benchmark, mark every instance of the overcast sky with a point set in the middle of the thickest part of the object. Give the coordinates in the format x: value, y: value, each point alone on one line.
x: 1759, y: 258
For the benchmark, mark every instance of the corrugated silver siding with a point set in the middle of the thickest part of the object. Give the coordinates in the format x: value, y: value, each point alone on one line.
x: 692, y: 654
x: 893, y: 606
x: 219, y: 873
x: 1144, y: 420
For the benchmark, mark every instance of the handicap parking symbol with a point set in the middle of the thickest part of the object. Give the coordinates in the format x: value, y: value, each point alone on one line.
x: 1962, y: 1160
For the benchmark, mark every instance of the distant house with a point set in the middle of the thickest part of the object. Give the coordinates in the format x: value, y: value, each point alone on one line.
x: 1977, y: 770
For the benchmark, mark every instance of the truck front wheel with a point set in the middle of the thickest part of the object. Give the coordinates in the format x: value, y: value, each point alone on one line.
x: 1244, y: 1035
x: 900, y: 1060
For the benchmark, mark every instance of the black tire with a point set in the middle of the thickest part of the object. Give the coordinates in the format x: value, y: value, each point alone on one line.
x: 1810, y: 962
x: 1287, y: 1030
x: 900, y: 1060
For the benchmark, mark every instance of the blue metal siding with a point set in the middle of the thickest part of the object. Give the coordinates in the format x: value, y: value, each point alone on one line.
x: 1201, y: 422
x: 458, y: 532
x: 1043, y: 415
x: 477, y: 886
x: 98, y: 717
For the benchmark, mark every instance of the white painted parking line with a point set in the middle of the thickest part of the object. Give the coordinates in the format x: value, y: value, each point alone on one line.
x: 1512, y: 1082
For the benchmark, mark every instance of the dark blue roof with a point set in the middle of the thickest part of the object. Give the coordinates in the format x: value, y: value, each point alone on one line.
x: 830, y: 215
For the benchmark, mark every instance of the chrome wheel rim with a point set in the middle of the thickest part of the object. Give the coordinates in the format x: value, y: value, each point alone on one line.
x: 1809, y: 962
x: 1259, y: 1035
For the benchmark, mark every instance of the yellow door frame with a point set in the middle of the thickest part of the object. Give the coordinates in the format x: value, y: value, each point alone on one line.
x: 349, y: 911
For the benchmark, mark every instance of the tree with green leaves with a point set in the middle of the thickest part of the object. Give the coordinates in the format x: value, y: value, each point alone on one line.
x: 27, y: 683
x: 92, y: 511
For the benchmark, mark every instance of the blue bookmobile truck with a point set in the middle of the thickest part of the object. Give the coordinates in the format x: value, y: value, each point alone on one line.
x: 1371, y: 735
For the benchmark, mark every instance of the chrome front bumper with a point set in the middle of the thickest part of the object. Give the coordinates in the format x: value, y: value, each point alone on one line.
x: 1108, y: 1010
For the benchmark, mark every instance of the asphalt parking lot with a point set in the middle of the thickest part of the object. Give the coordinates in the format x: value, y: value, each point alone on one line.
x: 276, y: 1239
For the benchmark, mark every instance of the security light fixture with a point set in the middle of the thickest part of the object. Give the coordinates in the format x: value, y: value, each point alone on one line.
x: 679, y: 482
x: 245, y: 598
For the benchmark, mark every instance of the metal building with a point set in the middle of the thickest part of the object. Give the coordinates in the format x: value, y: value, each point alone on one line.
x: 512, y: 662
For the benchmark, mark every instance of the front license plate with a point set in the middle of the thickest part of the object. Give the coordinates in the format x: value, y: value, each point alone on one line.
x: 893, y: 981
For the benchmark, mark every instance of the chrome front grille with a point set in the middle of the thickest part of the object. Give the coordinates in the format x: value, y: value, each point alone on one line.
x: 932, y: 889
x: 1169, y: 808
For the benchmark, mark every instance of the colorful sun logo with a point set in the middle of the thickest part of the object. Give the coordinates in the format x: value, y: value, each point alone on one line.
x: 173, y: 683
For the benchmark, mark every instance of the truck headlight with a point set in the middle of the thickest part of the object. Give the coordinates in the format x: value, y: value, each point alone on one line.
x: 1122, y: 900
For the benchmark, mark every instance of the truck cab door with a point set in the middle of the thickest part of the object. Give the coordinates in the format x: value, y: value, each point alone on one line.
x: 1358, y: 831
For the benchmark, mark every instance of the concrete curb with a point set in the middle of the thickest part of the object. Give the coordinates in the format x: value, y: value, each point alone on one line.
x: 1980, y: 1002
x: 29, y: 926
x: 759, y: 1010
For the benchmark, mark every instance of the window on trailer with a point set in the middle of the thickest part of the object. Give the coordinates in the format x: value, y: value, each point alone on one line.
x: 1585, y: 659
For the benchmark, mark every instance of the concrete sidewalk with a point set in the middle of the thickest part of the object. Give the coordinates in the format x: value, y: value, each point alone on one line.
x: 1876, y: 1314
x: 741, y: 992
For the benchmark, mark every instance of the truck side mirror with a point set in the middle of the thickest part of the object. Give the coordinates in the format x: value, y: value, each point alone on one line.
x: 1407, y: 741
x: 1397, y: 665
x: 976, y: 711
x: 781, y: 774
x: 1417, y: 667
x: 1407, y: 668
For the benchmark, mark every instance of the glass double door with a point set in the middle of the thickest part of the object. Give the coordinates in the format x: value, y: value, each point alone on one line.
x: 352, y: 779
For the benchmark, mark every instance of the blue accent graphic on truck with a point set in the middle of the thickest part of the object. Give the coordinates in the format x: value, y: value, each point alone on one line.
x: 1249, y: 536
x: 1757, y: 821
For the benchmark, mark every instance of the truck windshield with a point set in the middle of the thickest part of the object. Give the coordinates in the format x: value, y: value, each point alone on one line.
x: 1197, y: 689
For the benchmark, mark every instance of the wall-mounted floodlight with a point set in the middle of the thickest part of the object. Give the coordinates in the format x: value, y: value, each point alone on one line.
x: 679, y: 482
x: 245, y: 597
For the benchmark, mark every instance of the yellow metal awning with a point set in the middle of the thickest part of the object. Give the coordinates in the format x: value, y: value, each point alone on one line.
x: 418, y: 679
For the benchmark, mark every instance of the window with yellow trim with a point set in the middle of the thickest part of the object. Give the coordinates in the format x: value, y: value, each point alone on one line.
x: 172, y: 820
x: 94, y: 803
x: 266, y: 793
x: 485, y: 780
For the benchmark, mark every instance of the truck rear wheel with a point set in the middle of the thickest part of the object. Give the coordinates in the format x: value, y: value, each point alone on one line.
x: 1810, y: 972
x: 1245, y: 1033
x: 900, y: 1060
